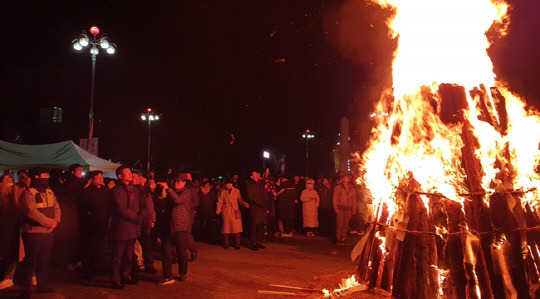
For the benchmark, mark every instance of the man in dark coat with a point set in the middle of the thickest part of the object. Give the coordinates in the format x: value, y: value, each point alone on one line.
x: 147, y: 204
x: 10, y: 221
x: 95, y: 212
x: 286, y: 207
x: 67, y: 245
x: 125, y: 227
x: 205, y: 220
x: 192, y: 212
x: 259, y: 208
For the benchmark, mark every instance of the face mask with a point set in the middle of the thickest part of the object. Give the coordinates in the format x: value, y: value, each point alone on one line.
x: 40, y: 184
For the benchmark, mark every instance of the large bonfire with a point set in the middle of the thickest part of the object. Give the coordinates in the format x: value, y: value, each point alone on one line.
x: 452, y: 167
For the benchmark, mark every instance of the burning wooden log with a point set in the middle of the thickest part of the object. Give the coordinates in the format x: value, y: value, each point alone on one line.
x: 478, y: 240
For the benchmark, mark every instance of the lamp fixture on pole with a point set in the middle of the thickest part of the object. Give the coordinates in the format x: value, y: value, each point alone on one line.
x: 307, y: 135
x: 93, y: 42
x: 149, y: 116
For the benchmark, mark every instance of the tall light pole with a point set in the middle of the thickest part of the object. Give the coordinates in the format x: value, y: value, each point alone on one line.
x: 266, y: 156
x: 149, y: 117
x: 82, y: 42
x: 307, y: 136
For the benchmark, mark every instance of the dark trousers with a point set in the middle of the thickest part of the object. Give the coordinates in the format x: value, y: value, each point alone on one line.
x: 122, y: 256
x: 236, y: 238
x: 288, y: 224
x: 257, y: 234
x: 146, y: 244
x: 37, y: 249
x: 190, y: 241
x: 167, y: 252
x: 181, y: 239
x: 94, y: 253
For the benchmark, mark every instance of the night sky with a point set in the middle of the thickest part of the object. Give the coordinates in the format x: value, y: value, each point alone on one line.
x: 264, y: 71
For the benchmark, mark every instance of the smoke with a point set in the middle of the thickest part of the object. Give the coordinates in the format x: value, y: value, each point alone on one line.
x: 358, y: 30
x: 516, y: 54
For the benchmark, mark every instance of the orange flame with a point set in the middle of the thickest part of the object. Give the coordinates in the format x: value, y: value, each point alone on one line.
x: 445, y: 42
x: 346, y: 285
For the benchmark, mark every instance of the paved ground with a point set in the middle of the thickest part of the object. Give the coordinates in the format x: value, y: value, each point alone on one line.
x: 312, y: 262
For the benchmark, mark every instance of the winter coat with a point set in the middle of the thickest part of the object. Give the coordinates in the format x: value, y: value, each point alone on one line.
x: 147, y: 203
x: 69, y: 197
x: 39, y: 210
x: 310, y: 207
x: 95, y: 209
x: 163, y: 207
x: 10, y: 221
x: 286, y: 200
x: 127, y: 214
x: 194, y: 201
x: 258, y: 202
x: 345, y: 199
x: 326, y: 194
x: 207, y: 205
x: 227, y: 205
x: 181, y: 200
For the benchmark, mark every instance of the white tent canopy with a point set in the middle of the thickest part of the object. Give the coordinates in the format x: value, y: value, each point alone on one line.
x: 57, y: 155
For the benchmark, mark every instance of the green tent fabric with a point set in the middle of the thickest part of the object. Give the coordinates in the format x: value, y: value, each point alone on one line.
x: 57, y: 155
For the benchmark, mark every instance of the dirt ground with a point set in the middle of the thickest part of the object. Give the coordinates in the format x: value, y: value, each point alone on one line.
x: 307, y: 262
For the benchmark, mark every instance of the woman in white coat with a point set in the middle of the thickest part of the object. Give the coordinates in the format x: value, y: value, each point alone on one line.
x: 310, y: 208
x: 228, y: 200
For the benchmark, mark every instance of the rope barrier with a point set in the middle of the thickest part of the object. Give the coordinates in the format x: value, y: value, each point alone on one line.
x: 513, y: 192
x: 496, y: 231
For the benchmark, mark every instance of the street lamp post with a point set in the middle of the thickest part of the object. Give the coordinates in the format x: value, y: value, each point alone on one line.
x: 82, y: 42
x: 307, y: 136
x: 266, y: 156
x: 149, y: 117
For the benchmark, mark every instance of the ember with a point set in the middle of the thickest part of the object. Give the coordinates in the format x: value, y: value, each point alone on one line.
x: 451, y: 172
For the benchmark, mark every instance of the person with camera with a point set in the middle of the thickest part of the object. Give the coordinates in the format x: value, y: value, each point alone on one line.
x: 178, y: 204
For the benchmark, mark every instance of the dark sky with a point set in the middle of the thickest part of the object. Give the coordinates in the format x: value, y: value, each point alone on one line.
x: 262, y: 70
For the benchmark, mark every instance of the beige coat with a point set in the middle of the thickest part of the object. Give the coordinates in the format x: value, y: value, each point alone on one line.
x: 227, y: 205
x: 310, y: 207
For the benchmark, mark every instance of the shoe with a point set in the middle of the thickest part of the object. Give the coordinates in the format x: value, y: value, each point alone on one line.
x: 193, y: 255
x: 236, y: 247
x: 287, y: 235
x: 6, y: 283
x: 226, y: 246
x: 255, y: 248
x: 45, y: 289
x: 261, y: 246
x: 149, y: 270
x: 117, y: 285
x: 34, y: 280
x: 183, y: 277
x: 129, y: 281
x: 166, y: 281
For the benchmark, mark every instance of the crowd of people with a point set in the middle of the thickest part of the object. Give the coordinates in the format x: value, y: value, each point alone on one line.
x: 104, y: 226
